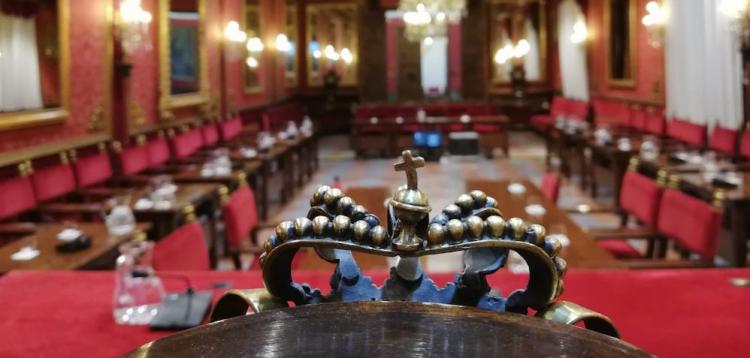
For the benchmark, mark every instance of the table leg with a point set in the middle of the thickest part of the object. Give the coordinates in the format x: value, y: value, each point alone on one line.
x: 739, y: 230
x: 265, y: 175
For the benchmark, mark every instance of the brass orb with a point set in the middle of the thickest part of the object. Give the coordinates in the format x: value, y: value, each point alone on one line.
x: 491, y: 202
x: 539, y: 232
x: 360, y: 230
x: 456, y: 229
x: 480, y: 198
x: 495, y: 226
x: 344, y: 204
x: 517, y: 227
x: 378, y: 235
x: 358, y: 210
x: 436, y: 234
x: 340, y: 225
x: 318, y: 195
x: 282, y: 230
x: 320, y: 225
x: 452, y: 211
x: 302, y: 226
x: 332, y: 195
x: 476, y: 226
x: 552, y: 246
x: 561, y: 265
x: 268, y: 246
x: 465, y: 201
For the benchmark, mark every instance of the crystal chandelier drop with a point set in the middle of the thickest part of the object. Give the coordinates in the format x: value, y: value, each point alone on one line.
x: 430, y: 18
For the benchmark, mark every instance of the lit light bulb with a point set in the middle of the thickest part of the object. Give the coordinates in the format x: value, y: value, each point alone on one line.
x: 251, y: 62
x: 282, y: 43
x: 255, y: 45
x: 428, y: 41
x: 440, y: 17
x: 347, y: 56
x: 233, y: 33
x: 522, y: 49
x: 331, y: 53
x: 317, y: 54
x: 580, y: 32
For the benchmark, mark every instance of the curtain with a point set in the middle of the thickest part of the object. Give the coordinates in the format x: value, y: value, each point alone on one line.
x: 20, y: 85
x: 575, y: 82
x: 434, y: 63
x: 531, y: 62
x: 703, y: 64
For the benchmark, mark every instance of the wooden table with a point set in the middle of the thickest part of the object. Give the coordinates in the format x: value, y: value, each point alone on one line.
x: 100, y: 255
x: 583, y: 251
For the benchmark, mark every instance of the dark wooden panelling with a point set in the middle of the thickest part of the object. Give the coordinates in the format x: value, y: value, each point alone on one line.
x: 474, y: 41
x: 372, y: 86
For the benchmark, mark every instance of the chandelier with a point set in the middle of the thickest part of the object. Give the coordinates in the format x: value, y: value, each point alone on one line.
x: 430, y: 18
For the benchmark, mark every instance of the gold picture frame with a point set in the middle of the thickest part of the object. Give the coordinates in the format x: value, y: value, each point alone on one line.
x: 632, y: 33
x: 168, y: 101
x: 40, y: 117
x: 246, y: 10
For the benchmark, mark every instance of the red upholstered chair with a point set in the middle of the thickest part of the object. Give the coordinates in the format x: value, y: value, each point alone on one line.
x: 577, y: 110
x: 745, y: 145
x: 17, y: 196
x: 551, y: 186
x: 241, y: 219
x: 638, y: 119
x: 723, y: 140
x: 687, y: 132
x: 135, y: 159
x: 183, y: 250
x: 655, y: 122
x: 53, y: 182
x: 230, y: 129
x: 210, y: 134
x: 543, y: 121
x: 158, y: 152
x: 640, y: 197
x: 690, y: 223
x: 92, y: 170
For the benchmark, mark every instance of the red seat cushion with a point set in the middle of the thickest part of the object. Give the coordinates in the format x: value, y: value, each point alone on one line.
x: 640, y: 196
x: 690, y: 222
x: 487, y: 128
x: 542, y: 121
x: 53, y: 182
x: 230, y: 128
x: 93, y: 170
x: 620, y: 249
x: 182, y: 250
x: 240, y: 216
x: 745, y: 145
x: 158, y: 152
x: 17, y: 196
x: 134, y: 160
x: 551, y: 186
x: 723, y: 140
x: 210, y: 134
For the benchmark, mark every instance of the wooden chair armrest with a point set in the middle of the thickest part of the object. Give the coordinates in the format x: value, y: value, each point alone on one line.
x: 69, y: 208
x: 644, y: 264
x: 622, y: 233
x: 18, y: 228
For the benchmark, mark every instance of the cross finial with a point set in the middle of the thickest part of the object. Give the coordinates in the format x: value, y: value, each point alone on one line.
x: 409, y: 164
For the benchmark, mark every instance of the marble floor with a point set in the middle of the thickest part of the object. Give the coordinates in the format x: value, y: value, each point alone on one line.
x: 442, y: 181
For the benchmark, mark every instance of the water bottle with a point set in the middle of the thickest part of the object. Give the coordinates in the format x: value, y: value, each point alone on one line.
x: 120, y: 221
x: 138, y: 291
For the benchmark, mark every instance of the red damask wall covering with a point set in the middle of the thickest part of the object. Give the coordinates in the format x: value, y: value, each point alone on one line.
x: 649, y: 61
x: 89, y: 67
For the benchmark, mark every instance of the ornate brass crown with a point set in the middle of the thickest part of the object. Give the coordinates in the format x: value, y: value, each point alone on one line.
x: 335, y: 226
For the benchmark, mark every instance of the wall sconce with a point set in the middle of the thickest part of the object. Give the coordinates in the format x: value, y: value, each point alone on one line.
x: 737, y: 12
x: 654, y: 20
x: 234, y: 38
x: 331, y: 54
x: 580, y: 32
x: 509, y: 51
x: 255, y: 45
x: 347, y: 56
x: 132, y: 24
x: 282, y: 43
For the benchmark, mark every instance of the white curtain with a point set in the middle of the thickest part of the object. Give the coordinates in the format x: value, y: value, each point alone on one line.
x: 531, y: 62
x: 575, y: 82
x: 20, y: 86
x: 703, y: 64
x: 435, y: 66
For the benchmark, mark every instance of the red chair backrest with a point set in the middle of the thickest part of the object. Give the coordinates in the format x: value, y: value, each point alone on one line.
x: 230, y: 128
x: 210, y: 134
x: 182, y: 250
x: 240, y: 216
x: 723, y: 140
x: 551, y: 186
x: 745, y: 145
x: 558, y: 107
x: 53, y: 182
x: 17, y: 196
x: 133, y: 160
x: 638, y: 119
x: 640, y: 196
x: 687, y: 132
x: 577, y: 110
x: 93, y: 169
x: 158, y: 152
x: 655, y: 122
x: 690, y: 222
x: 611, y: 112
